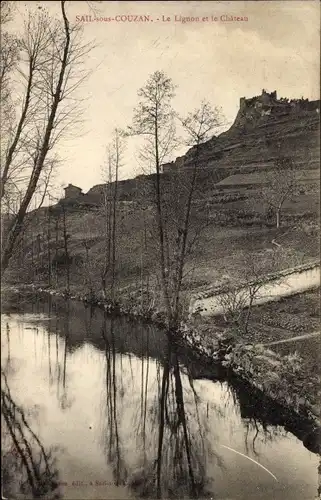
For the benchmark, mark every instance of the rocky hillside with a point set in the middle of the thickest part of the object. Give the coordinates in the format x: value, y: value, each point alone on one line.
x: 264, y: 128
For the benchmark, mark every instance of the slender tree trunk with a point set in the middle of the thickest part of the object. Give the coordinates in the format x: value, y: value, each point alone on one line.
x: 56, y: 247
x: 182, y: 251
x: 160, y: 223
x: 67, y: 258
x: 32, y: 251
x: 107, y: 215
x: 89, y: 272
x: 21, y: 253
x: 8, y: 340
x: 145, y: 259
x: 65, y: 349
x: 114, y: 221
x: 142, y: 273
x: 162, y: 405
x: 249, y: 310
x: 48, y: 246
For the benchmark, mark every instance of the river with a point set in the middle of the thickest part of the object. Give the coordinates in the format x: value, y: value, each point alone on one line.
x: 113, y: 410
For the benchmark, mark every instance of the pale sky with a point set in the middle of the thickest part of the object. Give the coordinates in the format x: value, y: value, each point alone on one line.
x: 276, y: 49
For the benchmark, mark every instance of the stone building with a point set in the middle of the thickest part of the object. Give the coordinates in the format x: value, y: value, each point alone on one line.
x: 72, y: 192
x: 265, y: 99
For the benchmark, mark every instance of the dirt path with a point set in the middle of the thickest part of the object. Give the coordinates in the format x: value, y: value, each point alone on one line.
x: 292, y: 339
x: 283, y: 284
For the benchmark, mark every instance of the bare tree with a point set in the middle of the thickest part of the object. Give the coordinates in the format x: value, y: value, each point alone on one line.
x: 154, y: 118
x: 49, y: 264
x: 51, y: 55
x: 199, y: 126
x: 9, y: 58
x: 115, y: 153
x: 173, y: 199
x: 281, y: 184
x: 243, y: 289
x: 117, y: 148
x: 66, y: 237
x: 106, y: 212
x: 233, y: 302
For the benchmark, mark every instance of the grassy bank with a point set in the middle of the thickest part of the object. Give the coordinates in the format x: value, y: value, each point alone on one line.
x: 231, y: 223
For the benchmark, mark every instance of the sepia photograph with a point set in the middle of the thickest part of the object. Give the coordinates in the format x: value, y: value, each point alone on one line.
x: 160, y: 250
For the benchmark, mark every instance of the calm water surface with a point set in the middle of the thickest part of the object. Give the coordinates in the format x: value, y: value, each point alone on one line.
x: 116, y: 410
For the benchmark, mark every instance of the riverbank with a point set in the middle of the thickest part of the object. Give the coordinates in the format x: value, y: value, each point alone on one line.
x: 289, y: 379
x: 282, y: 378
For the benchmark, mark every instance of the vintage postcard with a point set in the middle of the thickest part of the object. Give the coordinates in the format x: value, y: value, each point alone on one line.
x: 160, y: 264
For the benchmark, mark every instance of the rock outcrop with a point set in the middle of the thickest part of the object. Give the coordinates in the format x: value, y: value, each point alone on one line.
x: 265, y: 128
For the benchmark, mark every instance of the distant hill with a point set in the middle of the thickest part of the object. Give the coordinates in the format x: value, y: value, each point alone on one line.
x: 264, y: 129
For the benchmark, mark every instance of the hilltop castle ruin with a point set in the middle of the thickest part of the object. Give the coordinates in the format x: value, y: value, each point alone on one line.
x: 268, y: 104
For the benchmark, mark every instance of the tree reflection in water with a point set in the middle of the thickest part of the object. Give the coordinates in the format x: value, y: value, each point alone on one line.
x: 171, y: 447
x: 180, y: 464
x: 254, y: 425
x: 65, y: 402
x: 8, y: 342
x: 113, y: 384
x: 318, y: 494
x: 26, y: 465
